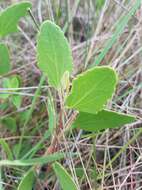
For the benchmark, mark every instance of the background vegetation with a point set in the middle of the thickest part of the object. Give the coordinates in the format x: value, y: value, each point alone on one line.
x: 108, y: 160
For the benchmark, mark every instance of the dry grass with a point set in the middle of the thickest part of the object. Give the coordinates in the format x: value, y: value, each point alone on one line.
x: 87, y: 30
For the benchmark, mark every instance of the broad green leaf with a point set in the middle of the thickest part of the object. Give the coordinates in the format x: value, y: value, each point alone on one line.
x: 33, y: 161
x: 10, y: 124
x: 102, y: 120
x: 5, y: 66
x: 27, y: 181
x: 10, y: 17
x: 53, y: 53
x: 65, y: 179
x: 91, y: 89
x: 5, y: 84
x: 119, y: 28
x: 14, y: 82
x: 16, y: 100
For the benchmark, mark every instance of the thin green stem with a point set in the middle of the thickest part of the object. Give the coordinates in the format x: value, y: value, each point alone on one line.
x: 30, y: 113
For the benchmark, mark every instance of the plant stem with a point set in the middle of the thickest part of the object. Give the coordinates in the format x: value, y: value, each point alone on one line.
x: 33, y: 18
x: 30, y: 113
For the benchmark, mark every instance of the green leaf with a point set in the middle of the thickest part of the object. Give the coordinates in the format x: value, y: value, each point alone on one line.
x: 5, y: 66
x: 27, y: 181
x: 16, y: 100
x: 4, y: 105
x: 102, y: 120
x: 65, y: 179
x: 53, y: 53
x: 10, y: 17
x: 91, y: 89
x: 33, y: 161
x: 14, y: 82
x: 6, y: 149
x: 10, y: 123
x: 99, y: 4
x: 5, y: 84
